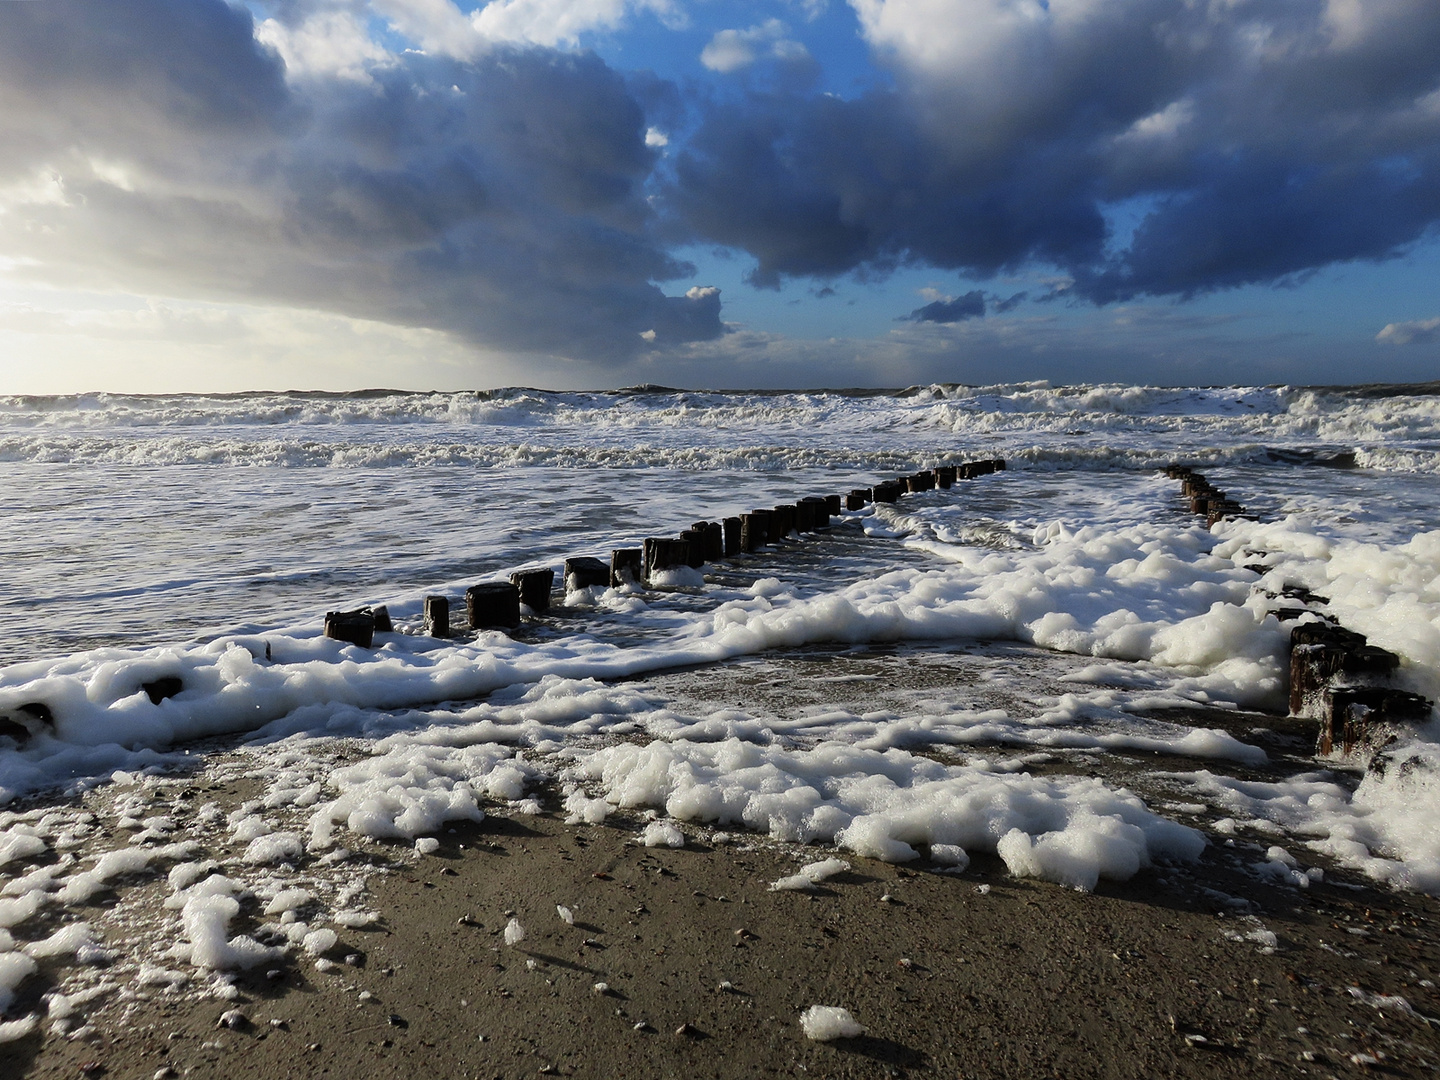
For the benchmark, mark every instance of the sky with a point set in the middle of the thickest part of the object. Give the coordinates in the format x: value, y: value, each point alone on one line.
x: 202, y: 195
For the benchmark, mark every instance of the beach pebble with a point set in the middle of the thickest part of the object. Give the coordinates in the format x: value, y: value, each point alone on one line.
x: 234, y: 1020
x: 566, y: 915
x: 826, y: 1022
x: 514, y: 932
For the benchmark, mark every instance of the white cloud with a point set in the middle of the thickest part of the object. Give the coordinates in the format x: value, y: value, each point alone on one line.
x: 1419, y: 332
x: 442, y: 28
x: 731, y: 50
x: 328, y: 44
x: 655, y: 138
x: 1165, y: 124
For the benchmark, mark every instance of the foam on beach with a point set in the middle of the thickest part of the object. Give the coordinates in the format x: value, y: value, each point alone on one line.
x: 1073, y: 551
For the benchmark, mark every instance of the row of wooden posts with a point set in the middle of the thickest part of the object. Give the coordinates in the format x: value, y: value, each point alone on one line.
x: 496, y: 604
x: 1209, y: 502
x: 1336, y: 676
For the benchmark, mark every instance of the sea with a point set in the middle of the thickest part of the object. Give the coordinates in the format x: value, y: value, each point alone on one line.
x: 1056, y: 664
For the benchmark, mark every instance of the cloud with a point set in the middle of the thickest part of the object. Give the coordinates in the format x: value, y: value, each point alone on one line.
x: 1262, y: 139
x: 732, y: 50
x: 958, y: 309
x: 160, y: 147
x: 443, y: 29
x: 1421, y: 332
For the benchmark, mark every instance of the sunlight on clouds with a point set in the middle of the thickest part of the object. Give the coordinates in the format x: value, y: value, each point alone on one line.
x: 731, y: 50
x: 328, y: 44
x: 442, y: 28
x: 67, y: 343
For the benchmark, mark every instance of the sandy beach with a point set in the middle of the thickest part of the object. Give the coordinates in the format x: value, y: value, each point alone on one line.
x: 683, y: 962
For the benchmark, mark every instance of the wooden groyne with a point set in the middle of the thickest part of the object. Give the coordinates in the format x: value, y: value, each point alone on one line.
x: 1336, y: 677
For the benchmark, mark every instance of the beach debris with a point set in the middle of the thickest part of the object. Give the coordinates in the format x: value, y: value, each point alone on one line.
x: 810, y: 875
x: 687, y: 1030
x: 514, y: 932
x: 601, y: 988
x: 726, y: 987
x: 234, y: 1019
x: 566, y: 915
x: 426, y: 845
x: 824, y: 1023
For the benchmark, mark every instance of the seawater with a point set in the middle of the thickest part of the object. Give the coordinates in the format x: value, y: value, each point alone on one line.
x: 136, y: 520
x: 205, y: 537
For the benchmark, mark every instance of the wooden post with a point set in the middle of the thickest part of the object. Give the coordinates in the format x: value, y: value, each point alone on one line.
x: 714, y: 541
x: 586, y: 572
x: 353, y: 627
x: 663, y: 553
x: 627, y: 567
x: 437, y: 616
x: 819, y: 511
x: 733, y: 545
x: 783, y: 518
x: 754, y: 530
x: 832, y: 506
x: 383, y: 625
x: 857, y: 499
x: 1358, y: 716
x: 695, y: 547
x: 945, y: 475
x: 493, y: 604
x: 534, y: 586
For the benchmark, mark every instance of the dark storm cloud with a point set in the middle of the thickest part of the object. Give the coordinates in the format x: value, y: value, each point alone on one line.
x: 1255, y: 140
x: 501, y: 198
x: 969, y: 306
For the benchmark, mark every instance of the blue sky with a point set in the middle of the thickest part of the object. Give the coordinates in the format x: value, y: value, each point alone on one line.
x: 201, y: 195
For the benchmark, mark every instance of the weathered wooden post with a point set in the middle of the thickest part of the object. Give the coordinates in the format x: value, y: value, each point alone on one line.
x: 665, y: 552
x: 754, y: 530
x: 534, y: 586
x: 586, y: 572
x: 857, y: 499
x: 1317, y: 652
x: 832, y: 507
x: 1363, y: 716
x: 819, y: 511
x: 714, y: 541
x: 493, y: 604
x: 783, y: 519
x: 733, y: 545
x: 437, y: 616
x: 627, y: 567
x: 945, y: 475
x: 695, y: 549
x: 352, y: 627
